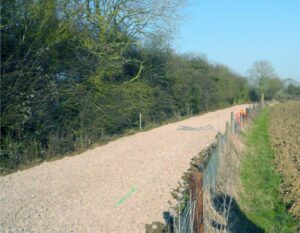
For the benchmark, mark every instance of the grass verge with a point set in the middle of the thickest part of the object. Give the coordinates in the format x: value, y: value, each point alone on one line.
x: 260, y: 199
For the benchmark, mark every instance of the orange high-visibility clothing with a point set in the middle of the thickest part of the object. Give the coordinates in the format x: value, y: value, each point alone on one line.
x: 242, y: 112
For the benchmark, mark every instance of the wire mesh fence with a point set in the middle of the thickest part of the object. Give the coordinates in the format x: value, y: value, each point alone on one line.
x: 208, y: 207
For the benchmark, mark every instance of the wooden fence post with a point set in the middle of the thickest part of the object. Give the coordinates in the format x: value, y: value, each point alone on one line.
x: 140, y: 120
x: 227, y: 133
x: 219, y: 144
x: 196, y: 185
x: 232, y: 123
x: 241, y: 121
x: 247, y: 113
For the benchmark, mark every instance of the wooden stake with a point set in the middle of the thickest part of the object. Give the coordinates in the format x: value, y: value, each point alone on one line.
x: 196, y: 185
x: 232, y: 122
x: 140, y: 120
x: 247, y: 113
x: 219, y: 144
x: 227, y: 132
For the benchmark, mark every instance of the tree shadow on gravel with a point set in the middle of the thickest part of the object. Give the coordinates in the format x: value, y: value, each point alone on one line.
x: 223, y: 204
x: 237, y: 220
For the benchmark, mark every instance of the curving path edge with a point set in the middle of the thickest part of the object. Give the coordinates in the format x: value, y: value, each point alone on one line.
x: 83, y: 193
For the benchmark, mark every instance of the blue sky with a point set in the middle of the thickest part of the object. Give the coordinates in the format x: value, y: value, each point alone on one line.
x: 238, y: 32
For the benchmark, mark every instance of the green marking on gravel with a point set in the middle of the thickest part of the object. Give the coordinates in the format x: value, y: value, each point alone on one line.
x: 133, y: 189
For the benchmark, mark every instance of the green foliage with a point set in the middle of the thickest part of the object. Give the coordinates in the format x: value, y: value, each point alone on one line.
x: 261, y: 201
x: 264, y: 78
x: 274, y: 85
x: 291, y: 92
x: 72, y: 74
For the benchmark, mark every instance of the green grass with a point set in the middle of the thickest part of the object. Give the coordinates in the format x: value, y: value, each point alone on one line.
x: 260, y: 200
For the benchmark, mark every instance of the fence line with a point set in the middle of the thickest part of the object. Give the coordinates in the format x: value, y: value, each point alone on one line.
x: 194, y: 217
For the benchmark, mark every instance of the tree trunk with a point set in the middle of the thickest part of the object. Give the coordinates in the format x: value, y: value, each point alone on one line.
x: 262, y: 99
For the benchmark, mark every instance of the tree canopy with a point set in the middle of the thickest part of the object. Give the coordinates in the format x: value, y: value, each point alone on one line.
x: 264, y: 77
x: 74, y: 72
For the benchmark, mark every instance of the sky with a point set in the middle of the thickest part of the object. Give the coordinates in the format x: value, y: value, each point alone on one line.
x: 239, y: 32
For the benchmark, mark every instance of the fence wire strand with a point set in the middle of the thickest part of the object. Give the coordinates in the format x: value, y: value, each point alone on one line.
x: 184, y: 221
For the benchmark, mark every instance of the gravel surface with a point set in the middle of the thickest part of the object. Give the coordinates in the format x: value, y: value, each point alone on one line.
x: 80, y: 193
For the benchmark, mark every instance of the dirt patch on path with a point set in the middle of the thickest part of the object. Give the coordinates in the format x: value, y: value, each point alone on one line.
x: 82, y: 193
x: 285, y: 137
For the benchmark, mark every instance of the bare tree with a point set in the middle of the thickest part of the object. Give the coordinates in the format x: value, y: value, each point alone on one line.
x: 261, y: 72
x: 133, y: 16
x: 113, y: 26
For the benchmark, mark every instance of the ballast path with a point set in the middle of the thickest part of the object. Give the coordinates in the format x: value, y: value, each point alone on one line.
x: 115, y: 188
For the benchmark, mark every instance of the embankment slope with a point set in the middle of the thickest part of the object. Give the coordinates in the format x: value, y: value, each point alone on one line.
x: 80, y: 193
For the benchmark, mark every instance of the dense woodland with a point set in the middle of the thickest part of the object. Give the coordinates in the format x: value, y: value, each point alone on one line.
x: 76, y: 71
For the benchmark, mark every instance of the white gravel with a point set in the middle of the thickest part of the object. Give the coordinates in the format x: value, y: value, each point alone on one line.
x: 80, y: 193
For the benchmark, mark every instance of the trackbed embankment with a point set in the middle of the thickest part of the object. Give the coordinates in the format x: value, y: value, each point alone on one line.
x: 80, y: 193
